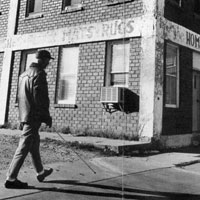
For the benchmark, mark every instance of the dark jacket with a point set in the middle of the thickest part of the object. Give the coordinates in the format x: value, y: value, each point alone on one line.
x: 33, y: 96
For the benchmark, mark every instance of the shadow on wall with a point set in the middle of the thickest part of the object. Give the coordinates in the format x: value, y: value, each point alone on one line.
x: 130, y: 102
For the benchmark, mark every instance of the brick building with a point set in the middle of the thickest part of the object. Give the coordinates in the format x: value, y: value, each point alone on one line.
x: 127, y: 67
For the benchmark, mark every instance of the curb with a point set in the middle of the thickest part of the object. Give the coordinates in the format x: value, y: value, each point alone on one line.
x: 106, y: 148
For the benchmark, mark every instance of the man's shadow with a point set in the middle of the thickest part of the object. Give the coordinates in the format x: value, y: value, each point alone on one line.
x: 123, y: 193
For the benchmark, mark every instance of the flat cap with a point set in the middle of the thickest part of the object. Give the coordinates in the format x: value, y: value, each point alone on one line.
x: 43, y: 54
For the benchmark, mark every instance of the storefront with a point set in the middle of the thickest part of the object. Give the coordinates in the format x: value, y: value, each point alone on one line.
x: 131, y: 74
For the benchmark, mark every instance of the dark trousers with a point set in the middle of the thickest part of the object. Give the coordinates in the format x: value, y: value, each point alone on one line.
x: 29, y: 143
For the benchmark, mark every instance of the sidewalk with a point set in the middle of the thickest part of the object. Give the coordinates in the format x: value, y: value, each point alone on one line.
x: 140, y: 177
x: 165, y: 175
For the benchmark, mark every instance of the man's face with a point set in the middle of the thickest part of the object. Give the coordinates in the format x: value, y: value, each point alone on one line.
x: 46, y: 62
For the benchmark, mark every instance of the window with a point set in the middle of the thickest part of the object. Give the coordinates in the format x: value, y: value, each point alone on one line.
x: 179, y: 2
x: 27, y: 58
x: 114, y: 2
x: 72, y: 4
x: 34, y: 6
x: 118, y: 63
x: 172, y: 76
x: 67, y: 83
x: 197, y: 6
x: 0, y: 7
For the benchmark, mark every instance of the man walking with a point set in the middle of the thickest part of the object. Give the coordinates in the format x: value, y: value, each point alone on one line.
x: 33, y: 110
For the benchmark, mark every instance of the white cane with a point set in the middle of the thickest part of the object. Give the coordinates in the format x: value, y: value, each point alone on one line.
x: 78, y: 155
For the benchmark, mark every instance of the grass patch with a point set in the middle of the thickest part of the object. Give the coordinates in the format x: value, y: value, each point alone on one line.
x: 104, y: 133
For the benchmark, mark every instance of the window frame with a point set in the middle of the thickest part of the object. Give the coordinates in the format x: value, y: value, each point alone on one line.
x: 71, y: 8
x: 176, y: 105
x: 109, y: 54
x: 24, y: 59
x: 115, y: 2
x: 0, y: 7
x: 34, y: 13
x: 178, y: 3
x: 65, y: 103
x: 197, y: 7
x: 23, y: 66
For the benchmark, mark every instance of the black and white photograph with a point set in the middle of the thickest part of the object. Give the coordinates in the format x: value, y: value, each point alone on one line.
x: 100, y: 99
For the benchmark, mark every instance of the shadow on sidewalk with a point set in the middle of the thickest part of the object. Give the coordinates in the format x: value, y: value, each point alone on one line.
x: 148, y: 153
x: 192, y: 149
x: 125, y: 191
x: 118, y: 192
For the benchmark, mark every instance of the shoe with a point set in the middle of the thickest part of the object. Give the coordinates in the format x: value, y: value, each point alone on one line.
x: 46, y: 173
x: 15, y: 184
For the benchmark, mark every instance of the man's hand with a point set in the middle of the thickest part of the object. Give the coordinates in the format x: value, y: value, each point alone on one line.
x: 49, y: 122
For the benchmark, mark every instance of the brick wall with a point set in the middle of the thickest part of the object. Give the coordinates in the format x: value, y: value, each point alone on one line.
x: 89, y: 113
x: 1, y: 63
x: 12, y: 108
x: 93, y: 11
x: 4, y: 9
x: 184, y: 16
x: 179, y: 120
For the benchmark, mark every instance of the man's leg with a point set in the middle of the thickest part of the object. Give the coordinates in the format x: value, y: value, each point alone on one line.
x: 35, y: 149
x: 36, y: 158
x: 26, y: 140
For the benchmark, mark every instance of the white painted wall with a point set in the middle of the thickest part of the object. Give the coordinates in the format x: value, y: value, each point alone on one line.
x: 147, y: 72
x: 158, y: 98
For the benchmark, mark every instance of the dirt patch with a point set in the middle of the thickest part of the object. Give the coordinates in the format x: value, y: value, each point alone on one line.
x: 51, y: 151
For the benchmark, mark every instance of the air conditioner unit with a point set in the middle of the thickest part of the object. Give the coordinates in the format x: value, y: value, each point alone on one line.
x: 111, y: 95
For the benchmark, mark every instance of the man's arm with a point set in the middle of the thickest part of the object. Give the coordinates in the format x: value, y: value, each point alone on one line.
x: 41, y: 98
